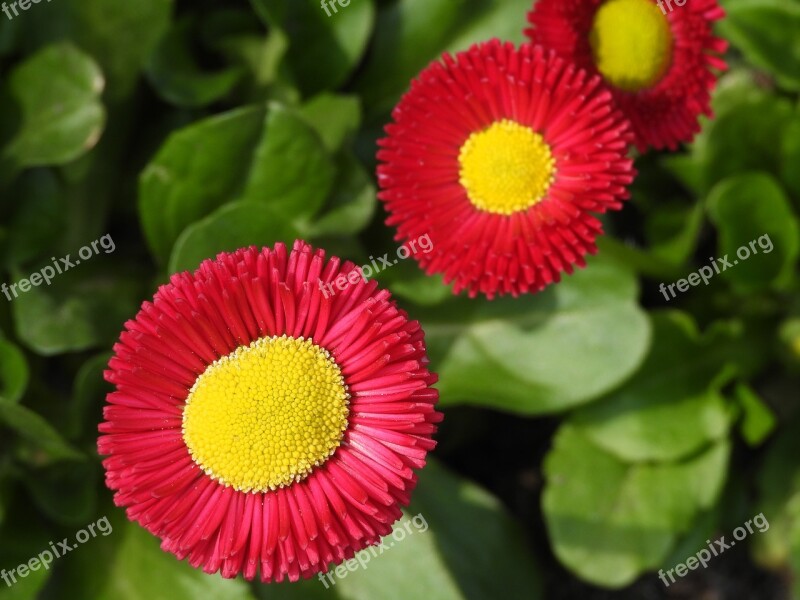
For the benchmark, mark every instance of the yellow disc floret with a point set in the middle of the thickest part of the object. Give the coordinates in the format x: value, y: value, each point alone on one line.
x: 632, y: 43
x: 265, y: 415
x: 506, y: 168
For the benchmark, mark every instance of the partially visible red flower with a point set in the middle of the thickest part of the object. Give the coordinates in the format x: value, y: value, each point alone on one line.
x: 263, y: 424
x: 501, y: 156
x: 659, y: 59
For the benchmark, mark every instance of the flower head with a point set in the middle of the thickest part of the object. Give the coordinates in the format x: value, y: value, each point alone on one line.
x: 658, y: 58
x: 261, y: 425
x: 502, y: 155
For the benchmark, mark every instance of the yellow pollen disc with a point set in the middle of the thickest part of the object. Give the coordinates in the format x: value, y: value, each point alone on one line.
x: 506, y: 168
x: 632, y: 43
x: 265, y: 415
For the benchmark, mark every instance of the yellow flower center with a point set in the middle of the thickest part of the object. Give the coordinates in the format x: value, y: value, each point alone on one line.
x: 266, y: 414
x: 506, y: 168
x: 632, y: 43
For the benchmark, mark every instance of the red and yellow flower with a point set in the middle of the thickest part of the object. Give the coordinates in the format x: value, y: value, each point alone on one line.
x: 660, y: 60
x: 503, y: 156
x: 260, y: 424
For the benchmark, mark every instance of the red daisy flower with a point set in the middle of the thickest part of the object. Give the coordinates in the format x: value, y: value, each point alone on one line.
x: 659, y: 59
x: 262, y: 423
x: 501, y: 155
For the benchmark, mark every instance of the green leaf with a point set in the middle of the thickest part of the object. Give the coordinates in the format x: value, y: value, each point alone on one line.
x: 88, y: 395
x: 779, y: 502
x: 737, y: 91
x: 335, y: 118
x: 140, y: 570
x: 459, y: 543
x: 757, y: 231
x: 759, y: 119
x: 758, y: 420
x: 36, y: 431
x: 766, y: 32
x: 541, y: 353
x: 411, y: 33
x: 278, y: 164
x: 351, y: 205
x: 67, y: 494
x: 198, y: 169
x: 80, y: 309
x: 232, y: 227
x: 120, y: 36
x: 291, y: 172
x: 675, y: 231
x: 324, y: 49
x: 24, y: 537
x: 610, y: 521
x: 57, y: 93
x: 37, y: 222
x: 176, y: 77
x: 671, y: 408
x: 419, y: 288
x: 27, y: 588
x: 13, y: 372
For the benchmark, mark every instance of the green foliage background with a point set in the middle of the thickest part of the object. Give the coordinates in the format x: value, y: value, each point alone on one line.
x: 614, y: 431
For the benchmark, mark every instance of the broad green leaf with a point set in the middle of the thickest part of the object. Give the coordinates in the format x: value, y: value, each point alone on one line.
x: 671, y: 408
x: 610, y: 521
x: 66, y: 493
x: 758, y: 231
x: 325, y: 46
x: 541, y: 353
x: 88, y: 395
x: 457, y: 540
x: 13, y: 372
x: 674, y: 232
x: 759, y: 120
x: 333, y: 117
x: 232, y: 227
x: 29, y: 537
x: 37, y: 219
x: 411, y: 33
x: 82, y: 308
x: 277, y: 163
x: 779, y: 502
x: 140, y: 570
x: 177, y: 78
x: 351, y: 204
x: 57, y: 95
x: 766, y: 32
x: 758, y: 420
x: 291, y: 172
x: 198, y: 169
x: 120, y: 36
x: 417, y: 287
x: 26, y: 588
x: 736, y: 88
x: 35, y: 430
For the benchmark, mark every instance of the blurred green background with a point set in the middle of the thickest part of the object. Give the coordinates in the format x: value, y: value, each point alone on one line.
x: 594, y: 433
